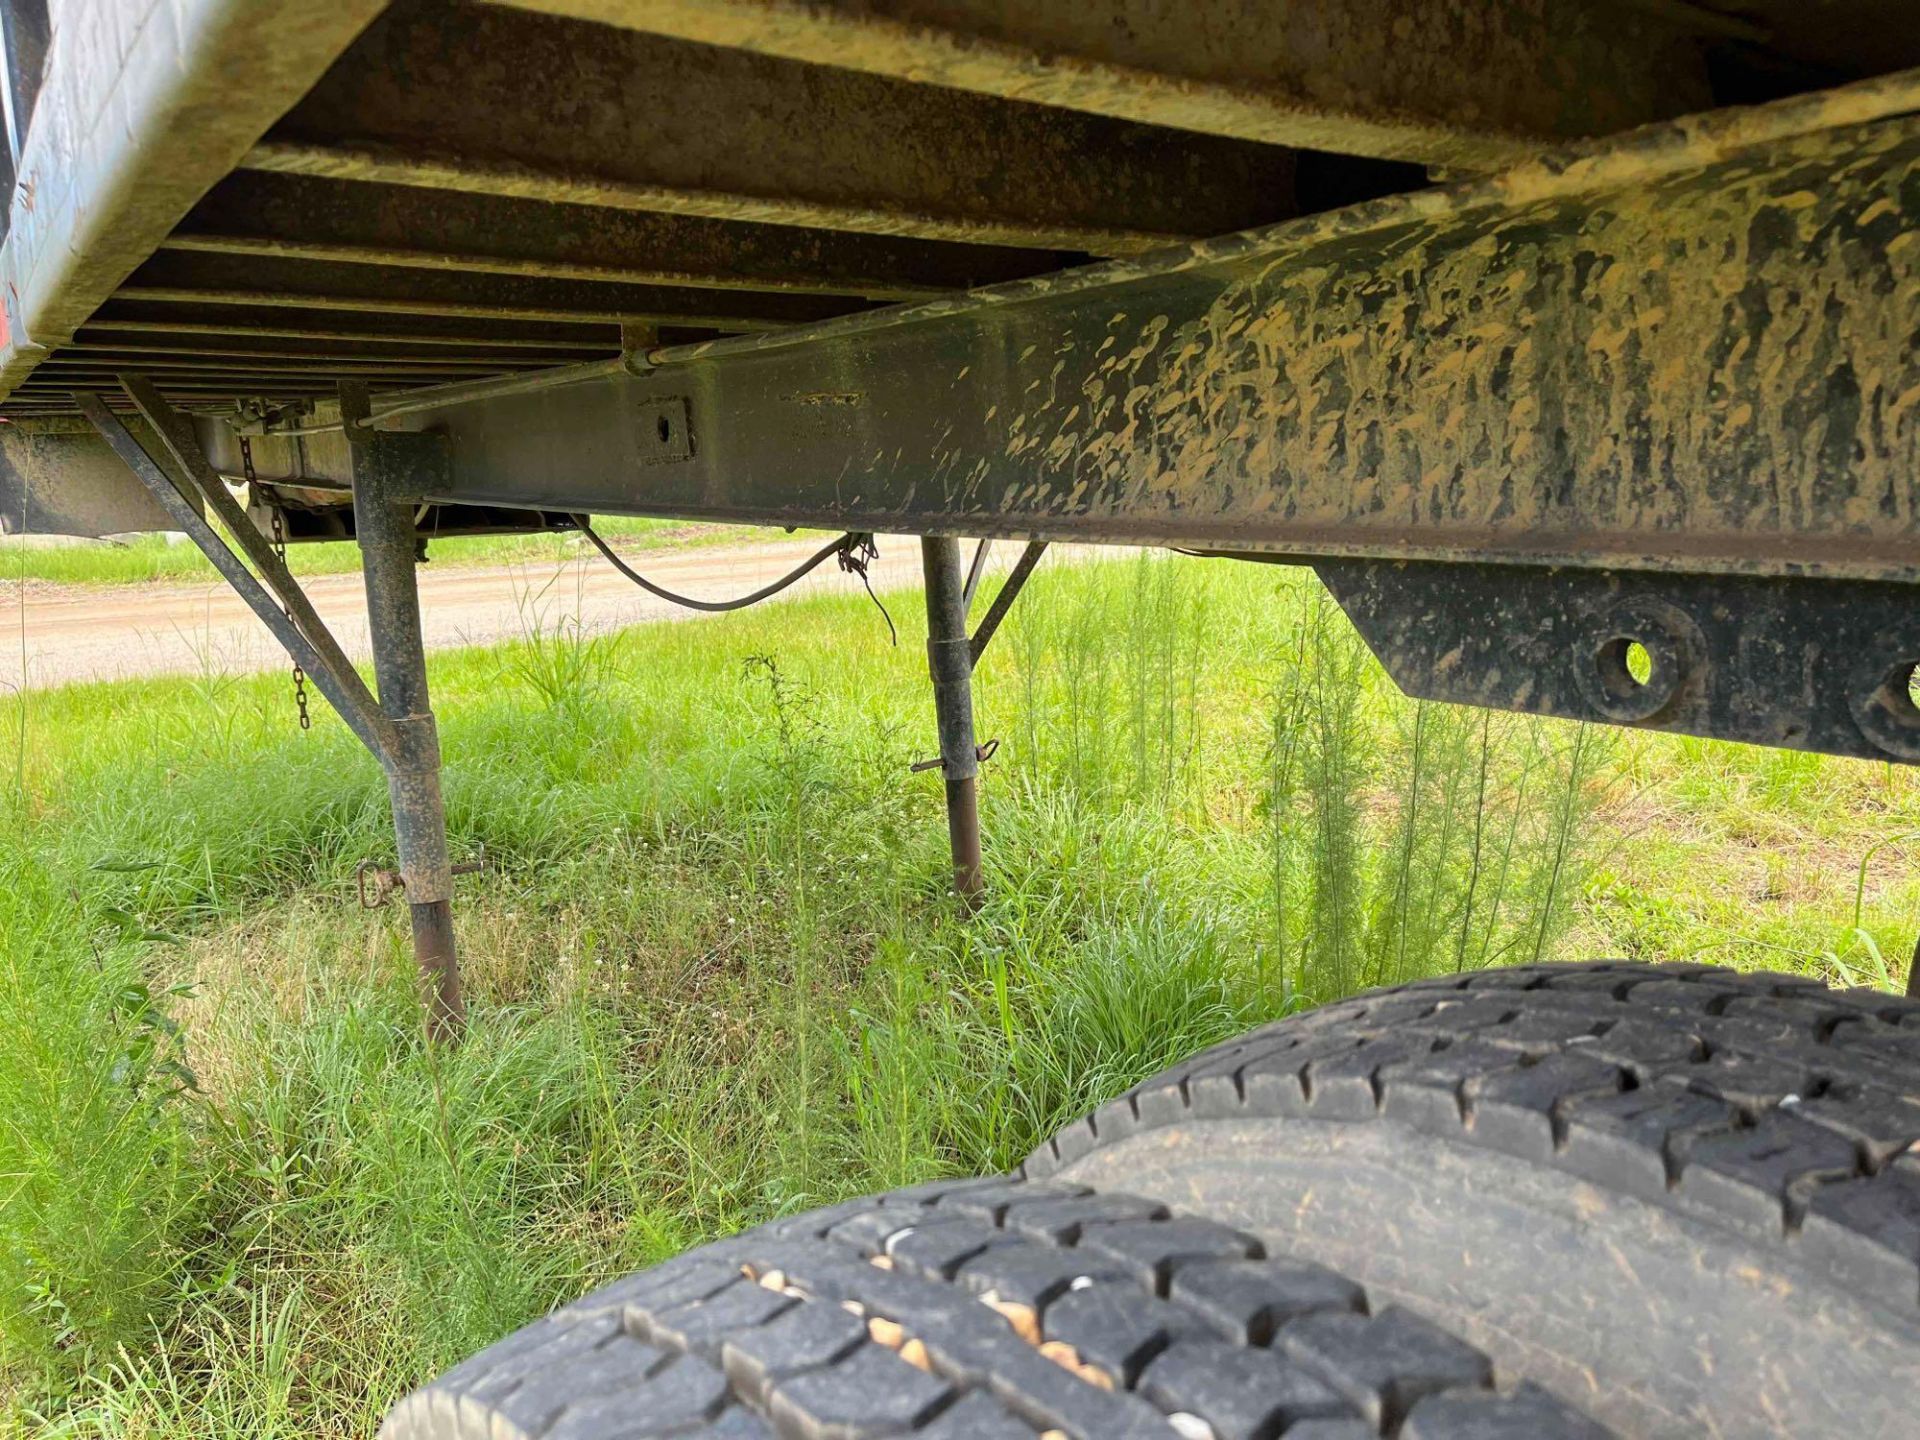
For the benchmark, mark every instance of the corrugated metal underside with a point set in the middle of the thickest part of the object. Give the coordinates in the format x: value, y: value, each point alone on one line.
x: 466, y: 190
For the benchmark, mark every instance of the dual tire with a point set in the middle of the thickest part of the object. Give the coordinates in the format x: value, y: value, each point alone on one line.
x: 1550, y: 1201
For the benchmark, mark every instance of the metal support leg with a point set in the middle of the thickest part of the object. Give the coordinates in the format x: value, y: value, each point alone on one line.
x: 949, y: 657
x: 383, y: 521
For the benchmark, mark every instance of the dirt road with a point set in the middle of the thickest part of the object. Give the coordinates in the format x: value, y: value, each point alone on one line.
x: 69, y: 633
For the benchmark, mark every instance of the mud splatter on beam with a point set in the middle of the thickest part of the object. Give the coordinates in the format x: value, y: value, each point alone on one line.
x: 1687, y: 351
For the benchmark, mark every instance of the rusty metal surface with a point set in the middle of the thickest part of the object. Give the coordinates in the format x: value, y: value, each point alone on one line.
x: 1795, y: 663
x: 460, y: 172
x: 292, y: 323
x: 323, y: 660
x: 1449, y: 82
x: 267, y: 558
x: 107, y: 340
x: 1845, y: 36
x: 950, y: 665
x: 385, y: 468
x: 439, y: 96
x: 258, y: 213
x: 202, y: 279
x: 1689, y: 351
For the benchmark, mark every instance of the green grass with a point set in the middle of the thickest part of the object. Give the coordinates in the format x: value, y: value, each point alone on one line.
x: 154, y: 557
x: 714, y: 972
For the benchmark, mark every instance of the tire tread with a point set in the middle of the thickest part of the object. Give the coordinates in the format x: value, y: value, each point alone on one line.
x: 1000, y: 1308
x: 1769, y: 1105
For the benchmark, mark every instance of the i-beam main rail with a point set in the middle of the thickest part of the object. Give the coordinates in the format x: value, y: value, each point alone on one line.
x: 1687, y: 351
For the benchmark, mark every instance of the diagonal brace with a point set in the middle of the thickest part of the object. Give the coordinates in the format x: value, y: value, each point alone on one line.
x: 305, y: 636
x: 1003, y: 602
x: 176, y: 434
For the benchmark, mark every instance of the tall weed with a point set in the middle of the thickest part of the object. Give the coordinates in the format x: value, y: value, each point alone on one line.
x: 96, y: 1160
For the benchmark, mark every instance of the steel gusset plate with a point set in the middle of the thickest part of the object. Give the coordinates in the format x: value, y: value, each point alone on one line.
x: 1801, y: 664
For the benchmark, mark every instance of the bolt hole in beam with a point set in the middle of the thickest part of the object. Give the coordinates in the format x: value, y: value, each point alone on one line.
x: 1889, y: 713
x: 1899, y: 695
x: 1626, y: 668
x: 1805, y: 664
x: 1639, y: 664
x: 1640, y: 661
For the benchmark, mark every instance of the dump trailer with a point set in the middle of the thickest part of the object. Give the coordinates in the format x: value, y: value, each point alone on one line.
x: 1575, y: 344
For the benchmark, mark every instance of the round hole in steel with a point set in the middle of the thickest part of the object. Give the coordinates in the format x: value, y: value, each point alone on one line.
x: 1887, y: 707
x: 1635, y: 664
x: 1639, y: 663
x: 1626, y: 666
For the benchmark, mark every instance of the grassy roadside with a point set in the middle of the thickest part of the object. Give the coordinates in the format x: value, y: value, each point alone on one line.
x: 153, y: 557
x: 714, y: 974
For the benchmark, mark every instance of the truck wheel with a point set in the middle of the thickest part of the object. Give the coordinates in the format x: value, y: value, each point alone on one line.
x: 1669, y: 1201
x: 1684, y: 1201
x: 984, y: 1310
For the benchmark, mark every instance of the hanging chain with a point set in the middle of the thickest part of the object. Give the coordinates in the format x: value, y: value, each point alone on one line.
x: 279, y: 536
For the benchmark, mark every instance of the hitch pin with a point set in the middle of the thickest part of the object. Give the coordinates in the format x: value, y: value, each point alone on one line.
x: 982, y: 753
x: 376, y: 884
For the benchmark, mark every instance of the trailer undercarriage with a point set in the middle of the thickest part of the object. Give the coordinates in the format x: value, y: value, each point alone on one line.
x: 1572, y: 342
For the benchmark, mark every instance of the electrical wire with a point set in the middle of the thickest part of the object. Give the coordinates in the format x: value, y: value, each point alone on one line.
x: 716, y: 607
x: 854, y: 548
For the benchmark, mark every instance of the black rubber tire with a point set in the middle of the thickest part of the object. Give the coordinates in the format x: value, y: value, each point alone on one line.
x: 1684, y: 1200
x: 983, y: 1310
x: 1524, y: 1203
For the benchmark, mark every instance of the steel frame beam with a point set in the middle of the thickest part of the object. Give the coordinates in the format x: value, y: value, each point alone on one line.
x: 648, y: 123
x: 1493, y: 371
x: 141, y: 347
x: 1386, y: 78
x: 182, y: 277
x: 272, y: 320
x: 315, y: 218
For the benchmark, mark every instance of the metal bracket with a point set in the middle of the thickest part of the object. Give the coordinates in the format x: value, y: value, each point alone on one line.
x: 664, y: 433
x: 1804, y: 664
